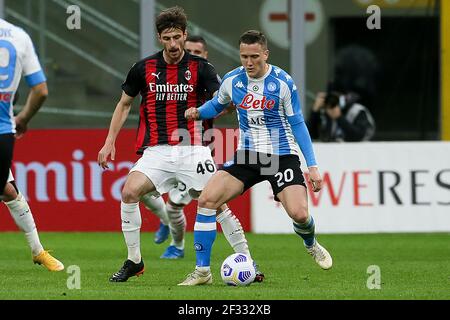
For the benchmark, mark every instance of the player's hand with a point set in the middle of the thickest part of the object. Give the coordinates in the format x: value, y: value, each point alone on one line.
x: 192, y: 114
x: 315, y: 179
x: 21, y: 127
x: 107, y: 150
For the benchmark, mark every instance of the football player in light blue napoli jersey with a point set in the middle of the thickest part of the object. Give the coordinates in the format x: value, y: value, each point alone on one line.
x: 17, y: 58
x: 272, y: 129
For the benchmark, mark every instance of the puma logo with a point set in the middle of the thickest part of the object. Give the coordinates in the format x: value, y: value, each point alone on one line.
x: 156, y: 75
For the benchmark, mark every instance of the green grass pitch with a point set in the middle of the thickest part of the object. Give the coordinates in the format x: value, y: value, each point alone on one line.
x: 413, y: 266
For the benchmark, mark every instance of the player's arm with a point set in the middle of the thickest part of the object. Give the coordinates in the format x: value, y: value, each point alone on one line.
x: 38, y: 94
x: 301, y: 134
x: 229, y: 109
x: 303, y: 138
x: 217, y: 111
x: 133, y: 84
x: 119, y: 117
x: 208, y: 110
x: 36, y: 80
x: 213, y: 107
x: 210, y: 81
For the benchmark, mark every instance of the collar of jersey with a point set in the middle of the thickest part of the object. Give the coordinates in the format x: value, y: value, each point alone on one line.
x: 263, y: 77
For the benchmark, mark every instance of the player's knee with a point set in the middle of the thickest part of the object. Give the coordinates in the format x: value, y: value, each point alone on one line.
x: 130, y: 195
x: 206, y: 202
x: 300, y: 214
x: 9, y: 193
x: 202, y: 201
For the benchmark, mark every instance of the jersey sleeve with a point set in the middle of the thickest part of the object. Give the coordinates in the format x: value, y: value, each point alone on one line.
x: 32, y: 70
x: 134, y: 82
x: 224, y: 96
x: 291, y: 99
x: 209, y: 78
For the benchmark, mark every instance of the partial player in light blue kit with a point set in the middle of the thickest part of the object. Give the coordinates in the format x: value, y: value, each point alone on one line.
x: 17, y: 58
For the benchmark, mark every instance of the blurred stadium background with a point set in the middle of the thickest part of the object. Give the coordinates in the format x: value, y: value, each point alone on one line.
x: 398, y: 183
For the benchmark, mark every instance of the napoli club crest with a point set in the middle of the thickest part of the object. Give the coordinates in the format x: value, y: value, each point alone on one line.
x: 188, y: 75
x: 271, y: 87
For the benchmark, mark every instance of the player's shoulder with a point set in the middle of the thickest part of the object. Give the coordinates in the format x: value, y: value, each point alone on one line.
x: 280, y: 74
x: 13, y: 31
x: 196, y: 58
x: 140, y: 65
x: 202, y: 62
x: 153, y: 57
x: 239, y: 71
x: 283, y: 77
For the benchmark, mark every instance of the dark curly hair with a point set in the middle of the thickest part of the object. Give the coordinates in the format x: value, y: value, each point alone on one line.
x: 171, y: 18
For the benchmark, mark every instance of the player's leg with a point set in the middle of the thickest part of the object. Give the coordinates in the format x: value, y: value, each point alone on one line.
x: 158, y: 207
x: 232, y: 230
x: 21, y: 213
x: 221, y: 188
x: 232, y: 180
x: 136, y: 185
x: 234, y: 233
x: 153, y: 172
x: 177, y: 200
x: 295, y: 202
x: 6, y: 153
x: 177, y: 229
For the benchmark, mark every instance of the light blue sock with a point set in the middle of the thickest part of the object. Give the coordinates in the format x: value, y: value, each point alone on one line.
x: 204, y: 235
x: 306, y: 231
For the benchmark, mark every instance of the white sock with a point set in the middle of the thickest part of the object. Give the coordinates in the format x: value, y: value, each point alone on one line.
x: 157, y: 206
x: 177, y: 225
x: 233, y: 231
x: 21, y: 213
x: 131, y: 226
x: 34, y: 243
x: 203, y: 269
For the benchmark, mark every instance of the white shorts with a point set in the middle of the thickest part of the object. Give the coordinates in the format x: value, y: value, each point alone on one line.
x: 180, y: 195
x: 10, y: 177
x: 167, y: 166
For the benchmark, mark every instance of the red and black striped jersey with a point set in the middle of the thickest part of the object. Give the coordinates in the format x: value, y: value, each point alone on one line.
x: 167, y: 90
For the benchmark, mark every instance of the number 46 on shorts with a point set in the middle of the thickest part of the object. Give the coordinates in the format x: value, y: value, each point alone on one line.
x: 207, y: 165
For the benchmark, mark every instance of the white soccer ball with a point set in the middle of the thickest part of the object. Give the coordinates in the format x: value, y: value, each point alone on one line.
x: 238, y: 269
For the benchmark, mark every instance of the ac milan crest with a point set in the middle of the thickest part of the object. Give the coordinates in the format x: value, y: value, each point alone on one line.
x: 188, y: 75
